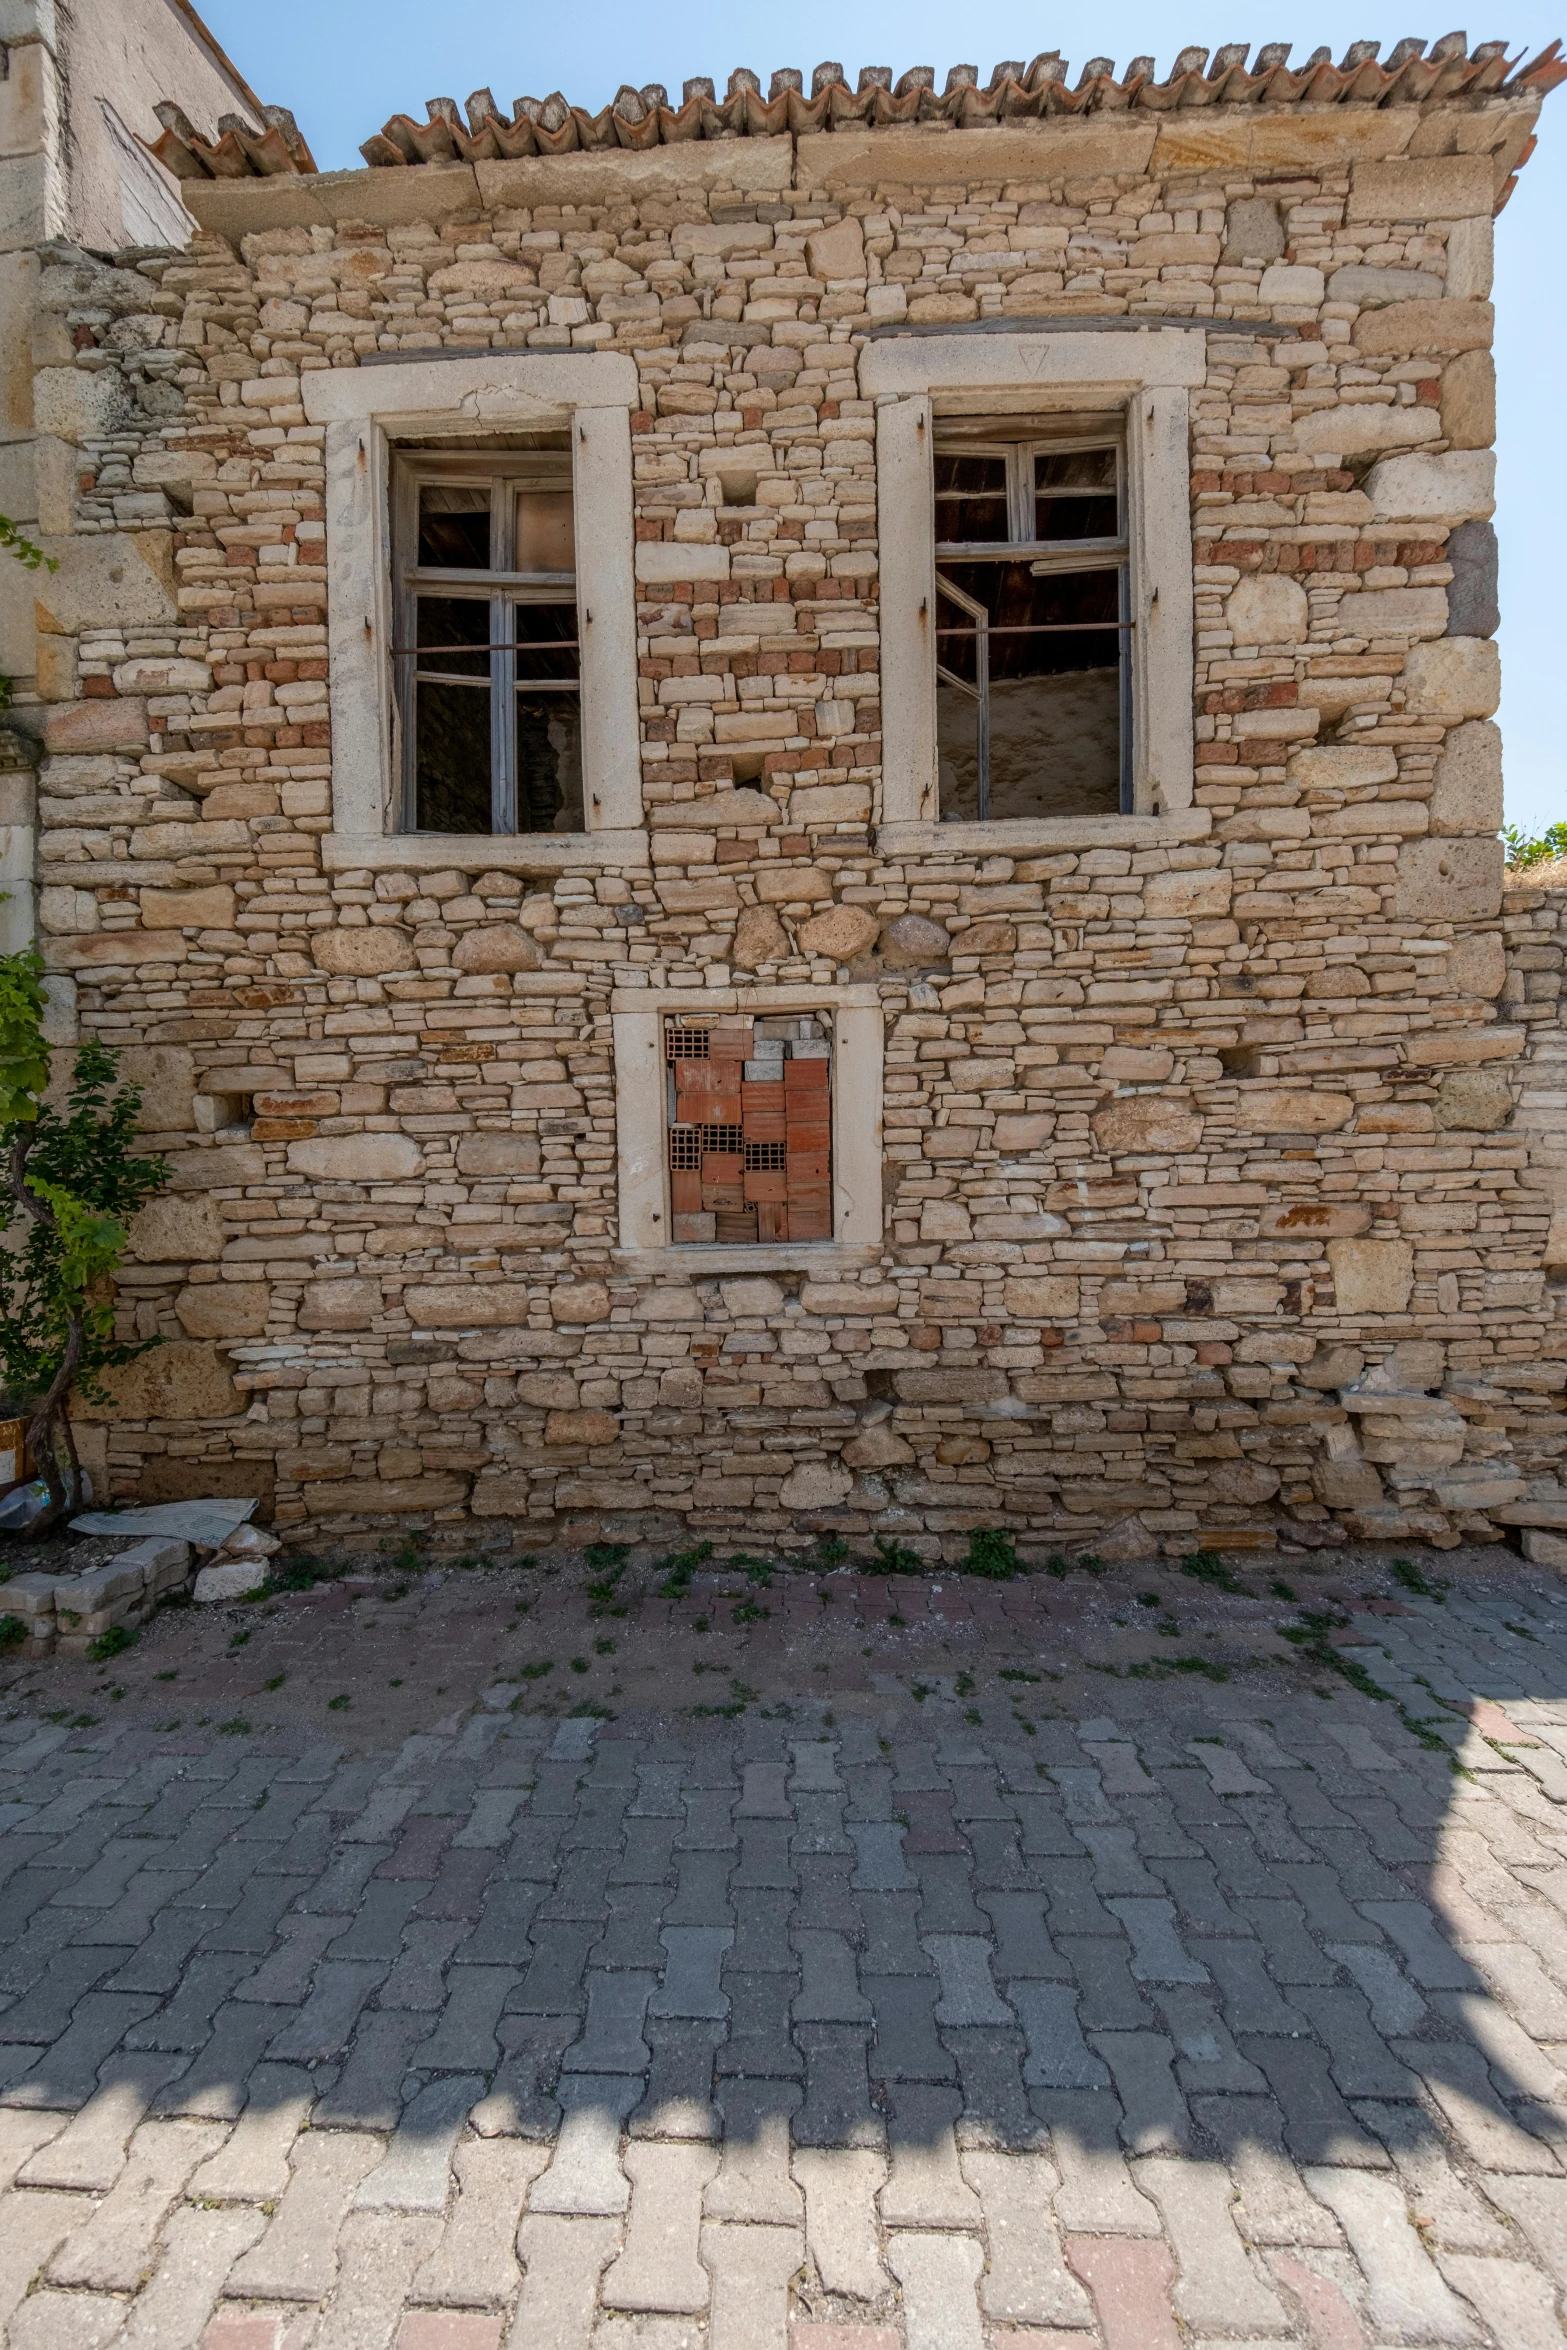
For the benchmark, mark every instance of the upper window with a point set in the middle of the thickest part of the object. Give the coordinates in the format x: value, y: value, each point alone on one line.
x: 487, y: 653
x: 1033, y: 621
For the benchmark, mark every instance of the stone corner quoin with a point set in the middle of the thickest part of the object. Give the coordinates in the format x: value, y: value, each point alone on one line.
x: 1194, y: 1170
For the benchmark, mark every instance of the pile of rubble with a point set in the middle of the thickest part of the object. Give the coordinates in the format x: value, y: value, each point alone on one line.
x: 207, y: 1548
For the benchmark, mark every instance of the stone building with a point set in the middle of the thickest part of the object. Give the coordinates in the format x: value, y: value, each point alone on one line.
x: 791, y: 803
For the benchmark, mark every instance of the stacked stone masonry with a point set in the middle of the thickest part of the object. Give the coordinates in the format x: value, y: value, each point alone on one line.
x: 1208, y: 1205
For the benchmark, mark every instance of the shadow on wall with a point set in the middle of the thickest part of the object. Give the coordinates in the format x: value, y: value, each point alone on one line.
x: 1240, y: 1990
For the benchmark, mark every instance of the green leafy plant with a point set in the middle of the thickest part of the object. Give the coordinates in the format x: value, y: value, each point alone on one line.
x: 73, y: 1183
x: 1525, y: 849
x: 28, y: 554
x: 680, y: 1566
x: 1408, y: 1574
x: 891, y: 1557
x: 12, y: 1631
x: 1206, y: 1566
x: 111, y: 1643
x: 992, y: 1552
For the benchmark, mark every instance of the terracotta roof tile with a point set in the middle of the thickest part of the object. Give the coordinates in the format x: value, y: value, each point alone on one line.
x: 1413, y: 75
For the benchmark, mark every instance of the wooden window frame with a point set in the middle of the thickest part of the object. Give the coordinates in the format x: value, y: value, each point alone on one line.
x: 506, y: 471
x: 1018, y: 447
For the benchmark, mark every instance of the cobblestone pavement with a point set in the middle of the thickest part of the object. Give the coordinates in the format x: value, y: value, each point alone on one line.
x: 1027, y: 1987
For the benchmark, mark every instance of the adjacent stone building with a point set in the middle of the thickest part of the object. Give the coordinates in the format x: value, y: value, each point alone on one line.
x: 791, y: 802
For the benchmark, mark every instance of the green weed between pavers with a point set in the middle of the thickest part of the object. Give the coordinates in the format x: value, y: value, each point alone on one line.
x: 993, y: 1553
x: 1059, y: 1565
x: 1405, y: 1572
x: 12, y: 1631
x: 1310, y: 1637
x: 1206, y: 1566
x: 680, y: 1567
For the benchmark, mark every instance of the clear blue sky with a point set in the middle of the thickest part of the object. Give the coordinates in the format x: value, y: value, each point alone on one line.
x: 345, y: 65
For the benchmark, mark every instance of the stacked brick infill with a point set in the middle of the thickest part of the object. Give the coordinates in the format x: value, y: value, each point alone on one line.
x: 1209, y: 1210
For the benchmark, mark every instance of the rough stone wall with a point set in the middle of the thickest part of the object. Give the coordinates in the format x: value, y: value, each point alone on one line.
x: 1204, y: 1207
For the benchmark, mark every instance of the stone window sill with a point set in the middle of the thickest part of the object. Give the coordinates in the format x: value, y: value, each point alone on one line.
x: 481, y: 852
x: 1024, y: 836
x: 710, y: 1258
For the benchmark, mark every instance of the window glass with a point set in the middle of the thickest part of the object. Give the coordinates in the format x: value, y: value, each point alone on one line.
x: 454, y: 526
x: 452, y: 715
x: 749, y: 1105
x: 544, y: 533
x: 489, y: 675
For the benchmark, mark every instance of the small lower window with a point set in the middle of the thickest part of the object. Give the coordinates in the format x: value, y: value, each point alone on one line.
x: 1033, y: 630
x: 488, y: 657
x: 749, y: 1105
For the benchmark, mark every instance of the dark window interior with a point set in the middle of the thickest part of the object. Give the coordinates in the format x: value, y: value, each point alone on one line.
x: 489, y: 688
x: 1032, y: 643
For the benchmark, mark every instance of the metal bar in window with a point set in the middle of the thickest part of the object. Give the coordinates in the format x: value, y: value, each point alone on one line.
x: 485, y: 583
x: 1043, y: 628
x: 1123, y: 597
x: 1052, y: 554
x: 503, y: 724
x: 542, y: 644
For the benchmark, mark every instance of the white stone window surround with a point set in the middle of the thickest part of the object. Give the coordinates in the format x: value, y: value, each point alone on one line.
x: 1146, y: 375
x: 366, y: 411
x: 641, y: 1129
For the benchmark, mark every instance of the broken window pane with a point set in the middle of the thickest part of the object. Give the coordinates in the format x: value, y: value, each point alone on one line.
x: 489, y: 675
x: 1032, y: 668
x: 549, y: 762
x: 1075, y: 494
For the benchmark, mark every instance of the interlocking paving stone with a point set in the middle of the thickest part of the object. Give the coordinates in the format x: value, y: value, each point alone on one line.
x: 1058, y: 2055
x: 1218, y: 2289
x: 1026, y: 2279
x: 562, y: 2263
x: 926, y: 2188
x: 112, y: 2252
x: 1130, y: 2283
x: 1229, y: 2043
x: 751, y: 2268
x: 296, y: 2260
x: 252, y: 2166
x: 658, y: 2268
x: 938, y: 2275
x: 1405, y: 2292
x: 691, y: 1985
x: 837, y: 2110
x: 840, y: 2220
x: 475, y: 2262
x: 753, y: 2182
x: 414, y: 2174
x: 379, y: 2254
x: 585, y: 2175
x: 1096, y: 2195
